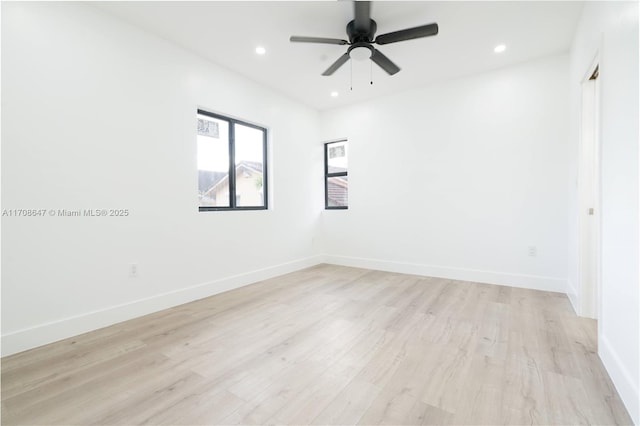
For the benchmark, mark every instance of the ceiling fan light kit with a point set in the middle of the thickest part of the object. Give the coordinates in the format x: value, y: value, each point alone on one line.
x: 361, y: 33
x: 360, y: 53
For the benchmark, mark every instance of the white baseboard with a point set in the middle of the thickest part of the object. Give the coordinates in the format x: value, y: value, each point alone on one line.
x: 572, y: 293
x: 624, y: 382
x: 490, y: 277
x: 43, y: 334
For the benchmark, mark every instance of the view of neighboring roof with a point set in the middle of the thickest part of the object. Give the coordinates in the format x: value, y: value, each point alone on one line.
x: 210, y: 179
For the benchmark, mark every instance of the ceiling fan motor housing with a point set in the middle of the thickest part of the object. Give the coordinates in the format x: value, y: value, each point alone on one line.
x: 356, y: 36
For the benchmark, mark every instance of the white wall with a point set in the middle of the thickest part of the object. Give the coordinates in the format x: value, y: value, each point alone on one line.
x: 610, y: 30
x: 97, y: 114
x: 459, y: 178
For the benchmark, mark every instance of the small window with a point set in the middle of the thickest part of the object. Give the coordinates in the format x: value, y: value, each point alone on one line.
x: 336, y: 179
x: 232, y: 164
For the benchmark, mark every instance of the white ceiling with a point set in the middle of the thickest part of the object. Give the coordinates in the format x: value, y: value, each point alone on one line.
x: 227, y: 33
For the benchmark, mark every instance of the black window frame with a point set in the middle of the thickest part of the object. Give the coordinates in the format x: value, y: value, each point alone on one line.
x: 328, y: 175
x: 232, y: 161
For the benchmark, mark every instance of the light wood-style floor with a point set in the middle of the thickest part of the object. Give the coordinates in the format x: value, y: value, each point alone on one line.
x: 327, y: 345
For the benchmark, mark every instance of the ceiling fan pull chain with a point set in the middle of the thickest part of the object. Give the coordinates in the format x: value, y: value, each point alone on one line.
x: 351, y: 82
x: 371, y: 71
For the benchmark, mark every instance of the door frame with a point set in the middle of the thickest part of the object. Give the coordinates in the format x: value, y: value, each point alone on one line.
x: 589, y: 195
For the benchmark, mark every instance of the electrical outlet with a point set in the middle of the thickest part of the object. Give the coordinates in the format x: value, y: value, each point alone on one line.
x: 533, y: 251
x: 133, y: 270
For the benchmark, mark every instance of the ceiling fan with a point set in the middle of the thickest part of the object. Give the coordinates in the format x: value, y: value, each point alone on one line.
x: 361, y: 32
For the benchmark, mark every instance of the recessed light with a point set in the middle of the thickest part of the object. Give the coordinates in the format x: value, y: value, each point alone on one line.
x: 500, y: 48
x: 261, y: 50
x: 334, y: 94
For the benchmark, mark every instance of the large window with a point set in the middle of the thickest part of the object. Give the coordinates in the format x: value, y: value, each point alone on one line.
x: 232, y: 164
x: 336, y: 180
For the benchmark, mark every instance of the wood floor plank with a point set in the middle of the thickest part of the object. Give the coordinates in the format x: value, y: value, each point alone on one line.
x: 207, y: 406
x: 327, y: 345
x: 523, y: 385
x: 392, y: 408
x: 307, y: 404
x: 567, y: 400
x: 483, y: 391
x: 349, y: 405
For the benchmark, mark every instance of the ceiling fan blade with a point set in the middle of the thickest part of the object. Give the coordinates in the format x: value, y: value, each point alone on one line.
x: 362, y: 21
x: 300, y: 39
x: 337, y: 64
x: 408, y: 34
x: 384, y: 62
